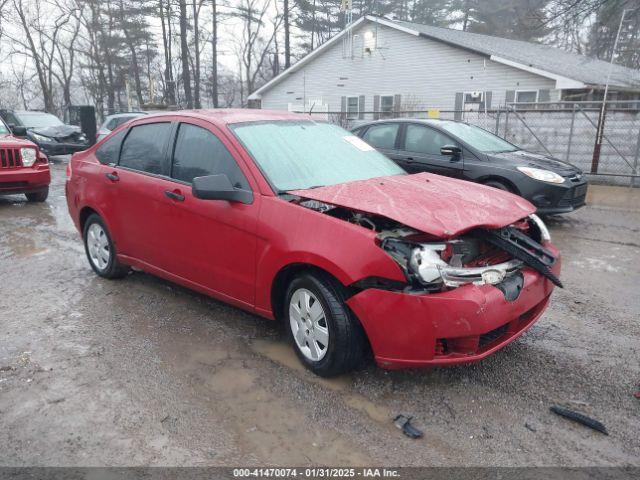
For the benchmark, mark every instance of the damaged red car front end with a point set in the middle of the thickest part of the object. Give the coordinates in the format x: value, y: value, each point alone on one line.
x: 472, y: 295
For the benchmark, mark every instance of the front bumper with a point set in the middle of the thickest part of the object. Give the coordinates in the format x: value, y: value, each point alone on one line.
x: 24, y: 179
x: 462, y: 325
x: 58, y: 148
x: 553, y: 199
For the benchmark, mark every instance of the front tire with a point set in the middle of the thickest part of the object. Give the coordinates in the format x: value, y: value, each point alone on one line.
x: 39, y: 196
x: 100, y: 249
x: 325, y: 334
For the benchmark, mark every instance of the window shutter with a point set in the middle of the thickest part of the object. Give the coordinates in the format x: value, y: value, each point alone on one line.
x: 361, y: 107
x: 510, y: 97
x: 343, y: 104
x: 457, y: 115
x: 487, y: 100
x: 397, y: 101
x: 544, y: 95
x: 376, y: 107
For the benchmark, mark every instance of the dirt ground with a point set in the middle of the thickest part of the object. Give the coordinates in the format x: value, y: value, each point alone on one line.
x: 142, y: 372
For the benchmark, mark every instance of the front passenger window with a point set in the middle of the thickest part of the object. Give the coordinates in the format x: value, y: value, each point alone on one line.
x: 144, y: 148
x: 425, y: 140
x: 198, y: 153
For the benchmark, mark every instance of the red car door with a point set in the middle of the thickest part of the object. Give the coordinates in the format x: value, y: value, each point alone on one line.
x: 140, y: 179
x: 212, y: 242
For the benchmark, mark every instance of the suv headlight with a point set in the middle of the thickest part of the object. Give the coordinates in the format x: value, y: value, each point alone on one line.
x: 28, y: 156
x: 541, y: 175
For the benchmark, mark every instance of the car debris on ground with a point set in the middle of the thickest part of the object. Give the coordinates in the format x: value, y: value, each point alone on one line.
x: 579, y: 418
x: 403, y: 422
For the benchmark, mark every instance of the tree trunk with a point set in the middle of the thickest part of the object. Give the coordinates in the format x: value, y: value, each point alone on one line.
x: 196, y: 45
x: 287, y: 46
x: 214, y: 52
x: 184, y: 54
x: 169, y: 94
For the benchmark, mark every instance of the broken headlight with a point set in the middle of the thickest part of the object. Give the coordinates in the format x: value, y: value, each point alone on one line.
x: 545, y: 236
x: 431, y: 270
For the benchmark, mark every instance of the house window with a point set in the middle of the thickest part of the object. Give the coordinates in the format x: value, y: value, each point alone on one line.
x: 386, y: 105
x: 473, y: 97
x: 526, y: 96
x: 352, y: 107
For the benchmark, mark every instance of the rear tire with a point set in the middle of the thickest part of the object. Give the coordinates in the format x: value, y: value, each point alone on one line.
x: 100, y: 250
x: 499, y: 185
x: 39, y: 196
x: 325, y: 334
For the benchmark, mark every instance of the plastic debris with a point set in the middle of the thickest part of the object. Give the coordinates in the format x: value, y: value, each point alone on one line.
x: 404, y: 423
x: 579, y: 418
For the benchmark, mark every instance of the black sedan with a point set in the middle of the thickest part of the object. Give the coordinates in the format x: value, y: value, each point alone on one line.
x: 460, y: 150
x: 47, y: 131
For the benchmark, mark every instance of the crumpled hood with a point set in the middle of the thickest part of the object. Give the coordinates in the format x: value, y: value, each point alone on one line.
x: 59, y: 132
x: 433, y: 204
x: 538, y: 160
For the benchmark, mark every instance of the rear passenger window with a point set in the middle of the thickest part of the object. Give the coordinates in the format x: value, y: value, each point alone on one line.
x: 198, y: 153
x: 144, y: 148
x: 382, y: 136
x: 108, y: 152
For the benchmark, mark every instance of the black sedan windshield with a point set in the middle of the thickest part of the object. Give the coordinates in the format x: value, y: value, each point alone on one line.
x: 296, y: 155
x: 39, y: 120
x: 477, y: 137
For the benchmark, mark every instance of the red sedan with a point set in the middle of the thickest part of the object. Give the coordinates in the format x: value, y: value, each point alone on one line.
x: 23, y: 168
x: 306, y: 223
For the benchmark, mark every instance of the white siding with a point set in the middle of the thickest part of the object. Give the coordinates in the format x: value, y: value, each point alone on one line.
x: 425, y: 72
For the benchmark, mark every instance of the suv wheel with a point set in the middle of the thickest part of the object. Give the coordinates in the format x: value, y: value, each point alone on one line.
x: 40, y: 196
x: 326, y: 336
x: 100, y: 250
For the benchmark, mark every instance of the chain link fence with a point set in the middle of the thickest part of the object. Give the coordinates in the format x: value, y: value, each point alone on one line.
x: 565, y: 130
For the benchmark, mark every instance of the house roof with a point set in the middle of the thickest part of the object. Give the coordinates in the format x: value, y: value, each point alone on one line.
x: 590, y: 71
x: 570, y: 70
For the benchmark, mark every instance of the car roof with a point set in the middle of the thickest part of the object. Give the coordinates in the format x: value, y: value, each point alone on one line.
x: 426, y: 121
x: 234, y: 115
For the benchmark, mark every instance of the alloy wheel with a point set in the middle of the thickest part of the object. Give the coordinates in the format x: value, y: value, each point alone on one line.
x: 309, y: 324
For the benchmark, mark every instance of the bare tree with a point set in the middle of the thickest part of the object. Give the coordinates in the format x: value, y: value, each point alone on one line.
x: 184, y: 54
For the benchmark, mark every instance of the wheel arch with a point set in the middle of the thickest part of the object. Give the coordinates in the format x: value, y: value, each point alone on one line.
x: 512, y: 187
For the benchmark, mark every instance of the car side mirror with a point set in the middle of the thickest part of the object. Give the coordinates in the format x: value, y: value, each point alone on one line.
x: 451, y: 151
x: 17, y: 130
x: 219, y: 187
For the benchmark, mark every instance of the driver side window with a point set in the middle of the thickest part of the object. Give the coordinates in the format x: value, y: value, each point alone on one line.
x: 420, y: 139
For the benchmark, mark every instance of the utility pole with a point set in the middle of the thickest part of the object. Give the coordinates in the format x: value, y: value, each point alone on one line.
x: 603, y: 109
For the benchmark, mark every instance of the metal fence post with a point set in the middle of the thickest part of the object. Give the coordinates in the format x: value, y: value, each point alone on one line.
x: 506, y: 123
x: 635, y: 160
x: 497, y: 120
x: 573, y: 119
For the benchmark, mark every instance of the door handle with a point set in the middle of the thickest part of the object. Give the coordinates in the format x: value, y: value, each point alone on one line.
x: 409, y: 160
x: 112, y: 176
x: 177, y: 196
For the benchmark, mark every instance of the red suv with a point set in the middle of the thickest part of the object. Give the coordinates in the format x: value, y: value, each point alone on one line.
x: 304, y: 222
x: 23, y: 168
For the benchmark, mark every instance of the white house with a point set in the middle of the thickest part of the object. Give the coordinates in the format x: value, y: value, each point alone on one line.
x: 382, y: 65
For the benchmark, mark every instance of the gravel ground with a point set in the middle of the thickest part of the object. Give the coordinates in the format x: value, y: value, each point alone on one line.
x: 142, y: 372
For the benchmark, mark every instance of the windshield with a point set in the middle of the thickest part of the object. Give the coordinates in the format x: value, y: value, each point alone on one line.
x: 3, y: 128
x: 296, y: 155
x: 478, y: 138
x: 39, y: 120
